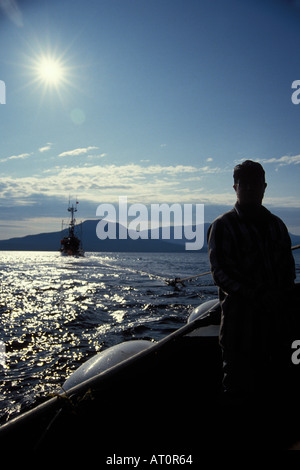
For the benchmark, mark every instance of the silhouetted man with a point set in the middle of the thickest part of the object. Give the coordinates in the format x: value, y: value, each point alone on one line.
x: 253, y: 266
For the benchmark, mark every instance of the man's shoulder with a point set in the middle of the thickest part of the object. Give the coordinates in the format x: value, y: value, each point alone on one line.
x: 278, y: 222
x: 274, y: 218
x: 223, y: 218
x: 277, y: 219
x: 220, y: 223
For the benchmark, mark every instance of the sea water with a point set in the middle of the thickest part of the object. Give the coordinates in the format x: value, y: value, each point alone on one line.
x: 56, y: 312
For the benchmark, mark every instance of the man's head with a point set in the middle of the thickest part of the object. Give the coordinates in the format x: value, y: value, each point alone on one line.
x: 249, y: 182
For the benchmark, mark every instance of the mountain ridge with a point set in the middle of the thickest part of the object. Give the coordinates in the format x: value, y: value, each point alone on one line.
x: 50, y: 241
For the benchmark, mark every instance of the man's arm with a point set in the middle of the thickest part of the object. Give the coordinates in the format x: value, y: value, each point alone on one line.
x: 223, y: 257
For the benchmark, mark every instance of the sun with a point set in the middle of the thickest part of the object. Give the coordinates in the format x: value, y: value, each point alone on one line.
x: 50, y: 71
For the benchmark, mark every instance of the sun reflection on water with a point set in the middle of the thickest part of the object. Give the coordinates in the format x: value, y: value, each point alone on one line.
x: 56, y: 312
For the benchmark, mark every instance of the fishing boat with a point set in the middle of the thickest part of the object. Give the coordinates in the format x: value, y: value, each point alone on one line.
x: 71, y: 244
x: 164, y: 396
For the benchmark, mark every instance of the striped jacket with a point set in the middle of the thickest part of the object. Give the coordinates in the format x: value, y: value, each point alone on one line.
x: 253, y: 266
x: 249, y: 255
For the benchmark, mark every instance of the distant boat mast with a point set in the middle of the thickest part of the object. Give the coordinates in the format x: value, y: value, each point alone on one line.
x: 72, y: 209
x: 71, y: 245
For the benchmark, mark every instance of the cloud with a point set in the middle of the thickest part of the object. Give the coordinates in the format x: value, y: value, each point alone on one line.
x: 208, y: 170
x: 282, y: 161
x: 33, y: 196
x: 16, y: 157
x: 98, y: 155
x: 47, y: 147
x: 78, y: 151
x: 106, y: 183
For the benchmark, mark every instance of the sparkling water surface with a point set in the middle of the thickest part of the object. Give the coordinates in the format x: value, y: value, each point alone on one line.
x: 56, y: 312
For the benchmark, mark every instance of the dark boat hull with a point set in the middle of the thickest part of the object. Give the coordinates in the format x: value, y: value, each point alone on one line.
x: 165, y: 398
x: 71, y: 246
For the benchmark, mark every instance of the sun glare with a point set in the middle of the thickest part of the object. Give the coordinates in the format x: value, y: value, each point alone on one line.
x: 50, y: 71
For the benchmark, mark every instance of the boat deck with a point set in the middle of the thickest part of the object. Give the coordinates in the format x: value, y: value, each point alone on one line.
x: 163, y: 399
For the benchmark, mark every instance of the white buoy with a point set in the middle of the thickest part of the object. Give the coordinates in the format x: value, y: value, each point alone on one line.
x: 105, y: 360
x: 202, y: 309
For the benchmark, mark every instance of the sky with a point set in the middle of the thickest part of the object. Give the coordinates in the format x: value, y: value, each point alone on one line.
x: 156, y: 100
